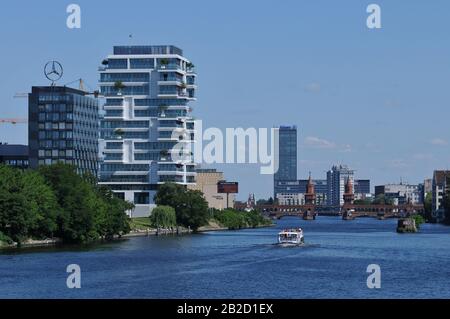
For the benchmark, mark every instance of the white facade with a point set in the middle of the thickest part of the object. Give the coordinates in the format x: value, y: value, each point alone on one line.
x: 404, y: 192
x: 439, y: 187
x: 291, y: 198
x: 147, y: 92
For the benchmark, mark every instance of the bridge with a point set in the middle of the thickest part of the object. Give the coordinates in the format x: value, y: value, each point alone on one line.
x: 347, y: 211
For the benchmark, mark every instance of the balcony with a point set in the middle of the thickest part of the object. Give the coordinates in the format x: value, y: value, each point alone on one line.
x: 170, y: 67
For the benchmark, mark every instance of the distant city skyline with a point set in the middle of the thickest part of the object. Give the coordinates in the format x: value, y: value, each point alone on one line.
x: 375, y: 100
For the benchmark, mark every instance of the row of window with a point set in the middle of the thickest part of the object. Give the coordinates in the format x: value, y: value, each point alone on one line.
x: 63, y: 144
x: 144, y: 63
x: 124, y: 77
x: 124, y: 167
x: 125, y: 124
x: 124, y: 135
x: 17, y: 163
x: 55, y: 107
x: 160, y: 113
x: 123, y: 178
x: 127, y: 90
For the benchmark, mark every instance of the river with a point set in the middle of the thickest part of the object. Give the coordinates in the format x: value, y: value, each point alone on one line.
x: 243, y: 264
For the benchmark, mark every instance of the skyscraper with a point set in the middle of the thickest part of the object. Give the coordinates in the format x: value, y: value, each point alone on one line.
x: 146, y: 114
x: 287, y: 157
x: 63, y: 125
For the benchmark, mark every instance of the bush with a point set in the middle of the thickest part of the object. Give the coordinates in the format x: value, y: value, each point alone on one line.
x: 418, y: 220
x: 233, y: 219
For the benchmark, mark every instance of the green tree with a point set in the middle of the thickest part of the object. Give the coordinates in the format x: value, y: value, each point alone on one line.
x: 163, y: 216
x: 428, y: 206
x: 191, y: 208
x: 231, y: 219
x: 87, y: 212
x: 365, y: 201
x: 42, y: 205
x: 13, y: 221
x: 57, y: 201
x: 381, y: 199
x: 419, y: 220
x: 28, y: 206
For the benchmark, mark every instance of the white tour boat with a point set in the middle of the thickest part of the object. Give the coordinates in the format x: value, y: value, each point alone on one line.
x: 291, y: 237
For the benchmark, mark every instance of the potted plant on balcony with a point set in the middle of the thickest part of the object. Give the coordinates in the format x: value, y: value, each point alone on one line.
x: 105, y: 62
x: 190, y: 66
x: 164, y: 154
x: 118, y: 85
x: 162, y: 108
x: 163, y: 63
x: 119, y: 133
x: 183, y: 85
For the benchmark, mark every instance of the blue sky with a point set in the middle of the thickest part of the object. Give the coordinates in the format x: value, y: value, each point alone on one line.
x: 376, y: 100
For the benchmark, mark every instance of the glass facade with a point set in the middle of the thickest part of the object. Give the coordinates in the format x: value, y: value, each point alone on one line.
x: 63, y: 128
x: 287, y: 157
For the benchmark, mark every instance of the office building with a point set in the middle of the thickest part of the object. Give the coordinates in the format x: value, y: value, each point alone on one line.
x: 400, y: 194
x: 206, y: 182
x: 287, y: 155
x: 63, y: 126
x: 291, y: 198
x: 147, y: 92
x: 14, y: 155
x: 362, y: 189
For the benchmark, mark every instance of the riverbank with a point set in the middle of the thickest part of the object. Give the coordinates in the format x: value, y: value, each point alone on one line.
x: 214, y: 226
x: 31, y: 243
x: 140, y: 229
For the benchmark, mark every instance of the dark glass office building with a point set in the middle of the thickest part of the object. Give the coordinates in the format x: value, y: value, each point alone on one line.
x: 362, y: 186
x: 63, y: 127
x: 14, y: 155
x: 287, y: 157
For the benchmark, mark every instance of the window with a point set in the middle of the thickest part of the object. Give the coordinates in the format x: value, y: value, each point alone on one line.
x: 142, y: 63
x: 141, y: 198
x: 117, y: 64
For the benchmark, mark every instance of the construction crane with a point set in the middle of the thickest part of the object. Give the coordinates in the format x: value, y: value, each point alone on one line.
x: 82, y: 87
x: 14, y: 121
x: 20, y: 95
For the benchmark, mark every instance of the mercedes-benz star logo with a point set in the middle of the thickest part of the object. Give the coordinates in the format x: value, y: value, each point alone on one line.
x: 53, y: 71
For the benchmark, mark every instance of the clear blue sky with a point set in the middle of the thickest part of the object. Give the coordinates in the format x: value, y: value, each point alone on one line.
x: 377, y: 100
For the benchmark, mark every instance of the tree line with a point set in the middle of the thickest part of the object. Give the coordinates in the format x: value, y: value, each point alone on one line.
x: 180, y: 206
x: 54, y: 201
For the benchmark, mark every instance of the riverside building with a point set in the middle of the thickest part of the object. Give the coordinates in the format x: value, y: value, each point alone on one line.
x: 63, y: 125
x: 148, y: 91
x: 287, y: 156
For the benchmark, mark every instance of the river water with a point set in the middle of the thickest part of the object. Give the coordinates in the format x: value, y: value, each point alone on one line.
x: 243, y: 264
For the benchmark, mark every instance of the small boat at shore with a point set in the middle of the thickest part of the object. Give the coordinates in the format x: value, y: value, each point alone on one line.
x: 291, y: 237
